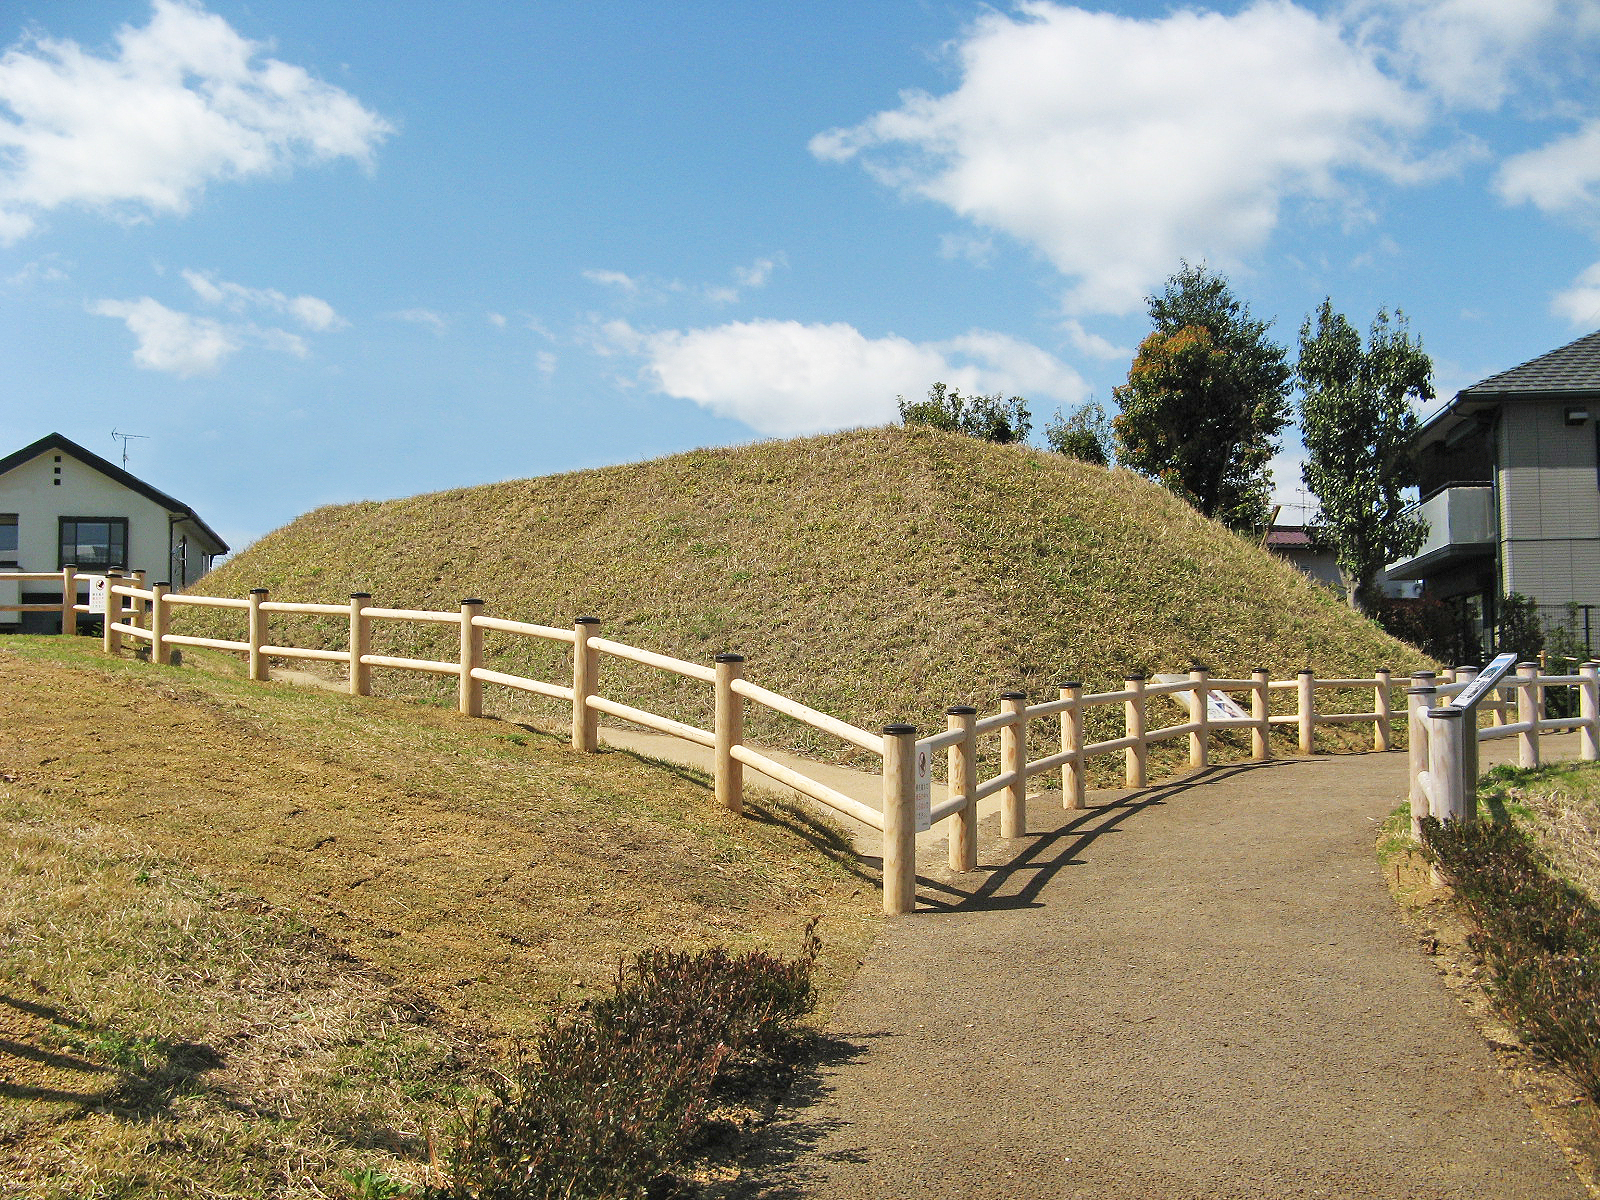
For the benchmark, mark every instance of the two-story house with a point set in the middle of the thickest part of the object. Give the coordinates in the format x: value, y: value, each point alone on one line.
x: 1510, y: 487
x: 62, y: 505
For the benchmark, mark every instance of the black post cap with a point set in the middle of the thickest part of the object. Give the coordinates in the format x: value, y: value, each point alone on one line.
x: 472, y: 600
x: 1133, y: 676
x: 961, y: 710
x: 258, y: 591
x: 587, y: 621
x: 895, y: 730
x: 361, y: 595
x: 1013, y: 695
x: 1070, y: 683
x: 730, y: 658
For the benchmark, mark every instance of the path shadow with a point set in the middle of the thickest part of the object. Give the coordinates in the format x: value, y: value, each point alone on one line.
x: 1016, y: 871
x: 774, y: 1162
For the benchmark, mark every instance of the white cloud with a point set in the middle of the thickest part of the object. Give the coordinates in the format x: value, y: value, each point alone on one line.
x: 425, y: 317
x: 1561, y: 177
x: 655, y: 291
x: 1580, y: 303
x: 546, y: 362
x: 784, y: 378
x: 168, y: 340
x: 498, y: 320
x: 1471, y: 53
x: 184, y: 101
x: 1116, y: 146
x: 615, y: 279
x: 1092, y: 343
x: 315, y: 314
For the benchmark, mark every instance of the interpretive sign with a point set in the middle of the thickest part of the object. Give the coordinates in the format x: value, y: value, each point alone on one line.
x: 924, y: 791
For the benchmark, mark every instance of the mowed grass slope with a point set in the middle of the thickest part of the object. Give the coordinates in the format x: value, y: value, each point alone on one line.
x: 879, y: 575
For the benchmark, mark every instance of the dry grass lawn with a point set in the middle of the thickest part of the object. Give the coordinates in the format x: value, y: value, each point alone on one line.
x: 258, y: 937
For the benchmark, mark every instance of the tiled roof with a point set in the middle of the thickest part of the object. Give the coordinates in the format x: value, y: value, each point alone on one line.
x: 1573, y: 368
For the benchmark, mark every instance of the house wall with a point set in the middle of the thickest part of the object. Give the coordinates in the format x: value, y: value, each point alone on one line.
x: 30, y: 491
x: 1549, y: 501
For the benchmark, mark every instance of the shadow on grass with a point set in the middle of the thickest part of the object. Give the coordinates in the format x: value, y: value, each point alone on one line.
x: 141, y: 1076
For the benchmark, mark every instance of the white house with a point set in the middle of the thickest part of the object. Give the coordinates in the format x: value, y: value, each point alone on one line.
x: 62, y: 505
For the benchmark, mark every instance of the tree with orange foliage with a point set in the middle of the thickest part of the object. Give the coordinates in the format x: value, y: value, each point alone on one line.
x: 1206, y: 397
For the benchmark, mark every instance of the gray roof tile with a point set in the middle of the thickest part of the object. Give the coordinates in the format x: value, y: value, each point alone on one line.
x: 1575, y: 367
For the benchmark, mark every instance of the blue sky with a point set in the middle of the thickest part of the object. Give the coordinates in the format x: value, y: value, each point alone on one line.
x: 328, y: 252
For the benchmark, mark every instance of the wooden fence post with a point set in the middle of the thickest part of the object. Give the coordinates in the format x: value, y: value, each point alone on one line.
x: 360, y: 644
x: 139, y: 609
x: 1072, y: 771
x: 111, y: 639
x: 1418, y: 701
x: 258, y: 635
x: 469, y: 692
x: 1589, y: 710
x: 961, y: 773
x: 160, y: 613
x: 1013, y: 757
x: 1528, y: 712
x: 729, y: 730
x: 585, y: 670
x: 1448, y: 784
x: 899, y: 819
x: 1261, y: 710
x: 1135, y: 757
x: 1199, y: 714
x: 1381, y: 733
x: 69, y: 600
x: 1308, y: 711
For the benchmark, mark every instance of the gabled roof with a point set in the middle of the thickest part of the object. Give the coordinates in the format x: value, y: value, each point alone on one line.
x: 1574, y: 368
x: 56, y: 442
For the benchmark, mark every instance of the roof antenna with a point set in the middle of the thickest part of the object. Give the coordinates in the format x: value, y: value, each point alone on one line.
x: 125, y: 437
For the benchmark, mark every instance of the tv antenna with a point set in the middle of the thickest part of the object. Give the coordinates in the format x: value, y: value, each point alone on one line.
x: 125, y: 438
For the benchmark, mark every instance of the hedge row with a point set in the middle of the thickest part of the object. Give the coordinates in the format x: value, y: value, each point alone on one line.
x: 1538, y: 936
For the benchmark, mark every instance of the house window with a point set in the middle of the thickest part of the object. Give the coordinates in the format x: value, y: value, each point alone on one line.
x: 94, y: 542
x: 8, y: 539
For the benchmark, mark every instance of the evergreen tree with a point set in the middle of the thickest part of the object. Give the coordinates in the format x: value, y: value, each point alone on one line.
x: 1205, y: 400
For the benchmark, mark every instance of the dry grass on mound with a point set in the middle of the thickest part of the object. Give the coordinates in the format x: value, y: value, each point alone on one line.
x: 878, y: 575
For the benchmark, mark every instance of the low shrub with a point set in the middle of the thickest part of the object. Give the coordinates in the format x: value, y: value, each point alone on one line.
x: 1538, y: 936
x: 615, y: 1091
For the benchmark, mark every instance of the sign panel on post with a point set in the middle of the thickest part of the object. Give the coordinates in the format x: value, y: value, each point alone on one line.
x: 97, y: 592
x: 1491, y: 675
x: 924, y: 792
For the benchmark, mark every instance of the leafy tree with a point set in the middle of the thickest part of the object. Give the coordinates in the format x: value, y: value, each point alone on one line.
x: 1519, y: 630
x: 988, y: 418
x: 1357, y: 420
x: 1206, y: 398
x: 1086, y: 434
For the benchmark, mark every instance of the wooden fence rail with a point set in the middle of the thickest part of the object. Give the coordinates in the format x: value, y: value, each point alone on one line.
x: 139, y: 613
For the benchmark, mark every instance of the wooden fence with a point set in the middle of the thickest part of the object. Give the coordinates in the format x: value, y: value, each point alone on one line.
x: 1443, y: 740
x: 140, y: 613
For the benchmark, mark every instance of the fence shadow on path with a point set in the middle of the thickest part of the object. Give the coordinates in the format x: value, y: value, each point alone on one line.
x: 1015, y: 873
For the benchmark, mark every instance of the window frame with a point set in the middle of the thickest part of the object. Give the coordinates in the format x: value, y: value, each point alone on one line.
x: 111, y: 523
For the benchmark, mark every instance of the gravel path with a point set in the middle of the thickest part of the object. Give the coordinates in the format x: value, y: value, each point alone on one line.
x: 1199, y: 990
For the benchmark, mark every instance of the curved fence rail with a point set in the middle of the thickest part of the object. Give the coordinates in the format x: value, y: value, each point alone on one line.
x: 139, y: 613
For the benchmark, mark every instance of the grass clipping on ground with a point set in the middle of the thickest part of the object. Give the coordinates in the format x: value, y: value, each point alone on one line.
x: 878, y: 575
x: 256, y: 935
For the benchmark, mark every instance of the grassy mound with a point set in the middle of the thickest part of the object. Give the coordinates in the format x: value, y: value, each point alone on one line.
x: 879, y: 575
